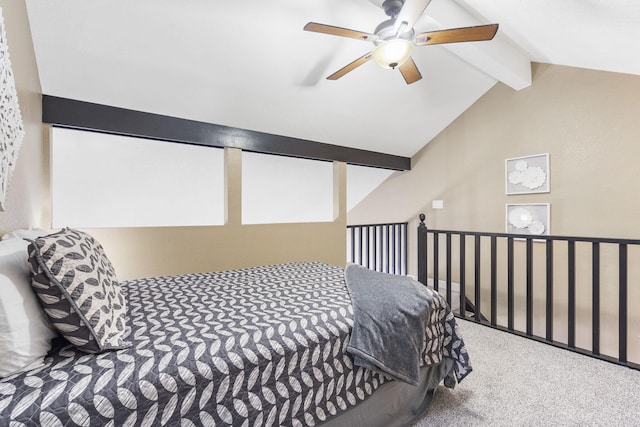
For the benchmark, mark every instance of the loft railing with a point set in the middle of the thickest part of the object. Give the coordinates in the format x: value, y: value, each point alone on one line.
x: 557, y: 286
x: 380, y: 247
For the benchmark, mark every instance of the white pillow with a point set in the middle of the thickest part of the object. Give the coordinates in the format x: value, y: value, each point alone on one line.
x: 30, y: 234
x: 25, y: 332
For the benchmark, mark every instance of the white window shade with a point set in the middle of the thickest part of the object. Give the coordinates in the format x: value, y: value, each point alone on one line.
x: 100, y: 180
x: 277, y: 189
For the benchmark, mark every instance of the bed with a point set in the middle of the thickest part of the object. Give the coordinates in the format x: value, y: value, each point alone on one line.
x: 268, y: 345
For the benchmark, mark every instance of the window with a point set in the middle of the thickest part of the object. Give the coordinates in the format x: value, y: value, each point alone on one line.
x: 100, y: 180
x: 277, y: 189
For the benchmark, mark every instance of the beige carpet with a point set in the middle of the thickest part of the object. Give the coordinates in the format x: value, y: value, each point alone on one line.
x: 520, y: 382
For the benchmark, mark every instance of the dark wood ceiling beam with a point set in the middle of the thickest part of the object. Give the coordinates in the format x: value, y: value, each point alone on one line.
x: 74, y: 114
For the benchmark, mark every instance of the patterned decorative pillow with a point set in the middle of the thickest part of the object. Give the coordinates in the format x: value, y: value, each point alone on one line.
x: 78, y: 290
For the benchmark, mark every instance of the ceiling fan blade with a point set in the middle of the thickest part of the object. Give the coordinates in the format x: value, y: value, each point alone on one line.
x: 352, y: 66
x: 410, y: 12
x: 410, y: 71
x: 338, y: 31
x: 455, y: 35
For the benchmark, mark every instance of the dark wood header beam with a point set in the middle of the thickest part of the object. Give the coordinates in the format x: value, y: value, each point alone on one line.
x: 73, y: 114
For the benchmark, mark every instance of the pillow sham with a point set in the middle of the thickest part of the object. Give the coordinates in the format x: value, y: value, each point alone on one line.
x: 25, y: 332
x: 79, y: 291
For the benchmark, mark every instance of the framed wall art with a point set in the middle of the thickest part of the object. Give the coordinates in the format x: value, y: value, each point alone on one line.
x: 11, y: 126
x: 528, y: 218
x: 529, y: 174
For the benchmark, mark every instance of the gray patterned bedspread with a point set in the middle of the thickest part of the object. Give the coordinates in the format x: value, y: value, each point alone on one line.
x: 255, y: 347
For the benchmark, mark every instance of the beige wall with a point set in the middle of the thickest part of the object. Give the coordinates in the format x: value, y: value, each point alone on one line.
x: 143, y: 252
x: 24, y: 201
x: 589, y: 123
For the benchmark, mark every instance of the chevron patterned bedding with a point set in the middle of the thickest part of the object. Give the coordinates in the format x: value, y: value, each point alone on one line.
x: 256, y: 347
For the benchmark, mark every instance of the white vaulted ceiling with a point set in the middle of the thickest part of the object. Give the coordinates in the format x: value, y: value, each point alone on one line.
x: 249, y: 64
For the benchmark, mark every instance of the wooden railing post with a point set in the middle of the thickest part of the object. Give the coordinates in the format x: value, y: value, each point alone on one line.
x: 422, y: 250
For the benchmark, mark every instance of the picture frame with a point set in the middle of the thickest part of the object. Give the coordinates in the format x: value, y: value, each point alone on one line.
x: 10, y: 120
x: 527, y: 174
x: 528, y: 218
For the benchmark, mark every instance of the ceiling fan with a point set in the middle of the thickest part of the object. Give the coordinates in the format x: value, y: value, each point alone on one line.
x: 395, y: 38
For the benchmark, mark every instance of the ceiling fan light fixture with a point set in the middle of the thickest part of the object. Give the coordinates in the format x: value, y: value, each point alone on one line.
x: 392, y: 53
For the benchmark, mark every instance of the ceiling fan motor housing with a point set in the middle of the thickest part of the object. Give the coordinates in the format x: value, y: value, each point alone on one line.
x: 392, y: 7
x: 385, y: 31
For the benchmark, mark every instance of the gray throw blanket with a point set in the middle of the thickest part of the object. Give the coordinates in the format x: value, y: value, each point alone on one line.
x: 390, y: 315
